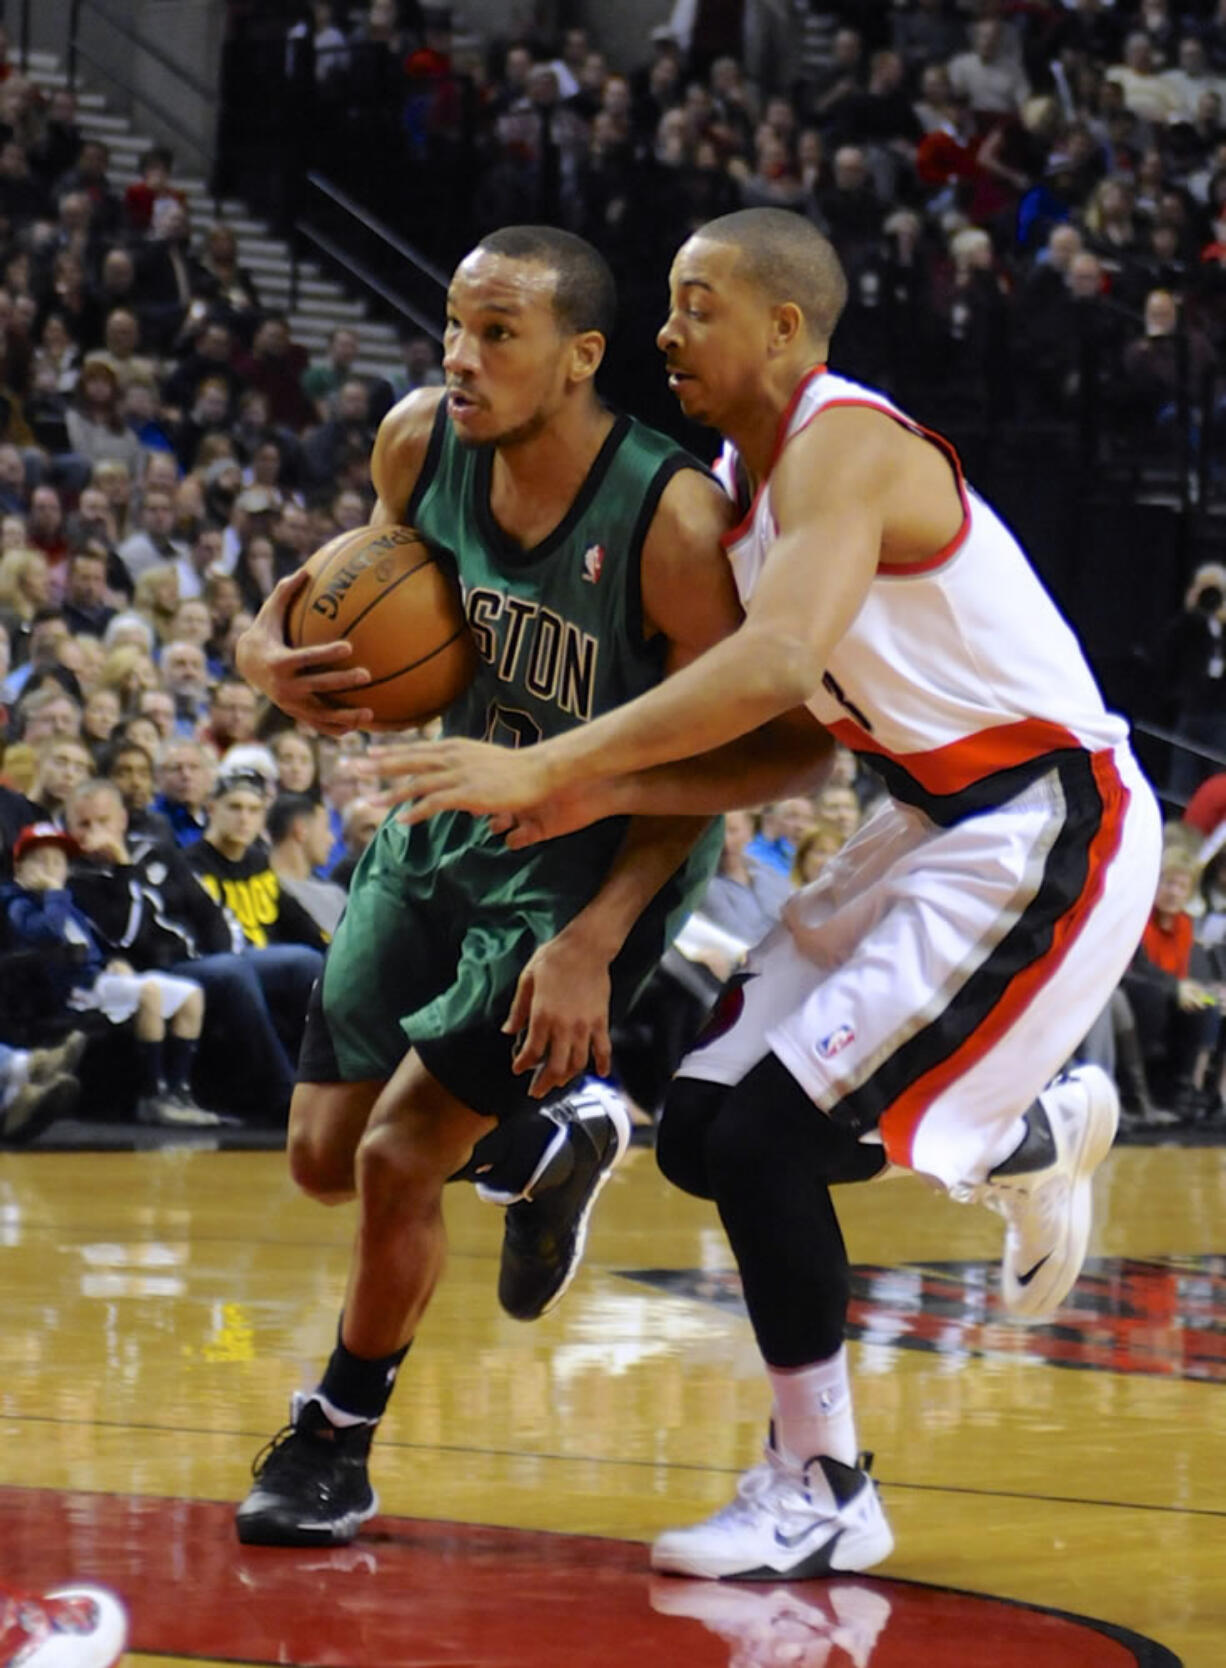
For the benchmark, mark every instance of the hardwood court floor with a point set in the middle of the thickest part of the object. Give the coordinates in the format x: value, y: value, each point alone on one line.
x: 159, y: 1308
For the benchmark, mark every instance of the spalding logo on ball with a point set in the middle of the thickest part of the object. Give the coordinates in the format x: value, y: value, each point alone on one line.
x: 396, y: 599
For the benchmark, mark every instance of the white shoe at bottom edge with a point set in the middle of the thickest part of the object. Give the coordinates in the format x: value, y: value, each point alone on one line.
x: 785, y: 1525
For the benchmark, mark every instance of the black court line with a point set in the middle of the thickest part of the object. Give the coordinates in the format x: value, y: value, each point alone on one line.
x: 666, y: 1466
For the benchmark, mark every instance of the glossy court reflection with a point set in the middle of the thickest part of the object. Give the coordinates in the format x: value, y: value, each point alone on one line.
x: 416, y: 1592
x: 160, y: 1307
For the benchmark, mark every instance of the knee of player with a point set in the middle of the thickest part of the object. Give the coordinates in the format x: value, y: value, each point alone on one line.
x: 739, y: 1151
x: 322, y: 1170
x: 682, y: 1134
x: 397, y: 1163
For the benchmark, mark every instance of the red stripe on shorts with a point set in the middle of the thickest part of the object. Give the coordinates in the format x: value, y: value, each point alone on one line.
x: 899, y: 1124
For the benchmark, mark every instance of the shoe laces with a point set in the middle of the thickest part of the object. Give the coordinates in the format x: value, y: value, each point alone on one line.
x: 772, y: 1486
x: 1041, y: 1203
x: 294, y: 1453
x: 282, y: 1456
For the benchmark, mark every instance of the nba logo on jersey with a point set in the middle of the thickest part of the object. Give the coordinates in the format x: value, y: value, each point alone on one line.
x: 840, y: 1038
x: 593, y: 562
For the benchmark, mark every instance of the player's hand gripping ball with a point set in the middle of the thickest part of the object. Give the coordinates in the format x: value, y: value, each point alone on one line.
x: 398, y: 602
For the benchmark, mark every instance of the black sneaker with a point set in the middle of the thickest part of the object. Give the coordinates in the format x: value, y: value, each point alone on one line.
x: 544, y: 1236
x: 311, y: 1487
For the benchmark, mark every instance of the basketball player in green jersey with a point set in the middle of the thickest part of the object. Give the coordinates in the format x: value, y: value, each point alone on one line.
x: 588, y: 549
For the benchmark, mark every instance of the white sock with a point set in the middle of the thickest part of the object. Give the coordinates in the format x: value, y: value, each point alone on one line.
x: 813, y: 1412
x: 1007, y: 1145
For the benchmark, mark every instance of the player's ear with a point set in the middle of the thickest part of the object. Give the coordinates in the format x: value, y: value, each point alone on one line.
x: 787, y: 325
x: 586, y: 352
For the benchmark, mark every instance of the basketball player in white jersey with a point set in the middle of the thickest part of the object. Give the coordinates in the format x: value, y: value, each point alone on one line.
x: 921, y: 997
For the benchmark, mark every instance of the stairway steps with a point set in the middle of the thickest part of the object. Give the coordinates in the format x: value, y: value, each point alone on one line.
x: 312, y: 306
x: 321, y: 303
x: 240, y: 225
x: 322, y: 289
x: 312, y: 331
x: 125, y: 143
x: 97, y: 125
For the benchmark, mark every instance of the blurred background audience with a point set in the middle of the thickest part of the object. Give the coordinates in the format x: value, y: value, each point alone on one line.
x: 1030, y: 201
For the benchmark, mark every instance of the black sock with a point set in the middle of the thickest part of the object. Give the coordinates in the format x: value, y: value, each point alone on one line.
x: 180, y: 1053
x: 149, y: 1056
x: 355, y: 1384
x: 507, y: 1158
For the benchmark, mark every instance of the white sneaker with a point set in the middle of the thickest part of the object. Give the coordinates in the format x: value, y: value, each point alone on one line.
x: 785, y: 1525
x: 794, y: 1625
x: 71, y: 1627
x: 1049, y: 1210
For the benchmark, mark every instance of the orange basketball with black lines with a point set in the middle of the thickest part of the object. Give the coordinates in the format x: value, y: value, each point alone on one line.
x: 397, y: 600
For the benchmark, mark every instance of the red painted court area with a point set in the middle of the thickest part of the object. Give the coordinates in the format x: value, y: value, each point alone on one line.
x: 416, y: 1594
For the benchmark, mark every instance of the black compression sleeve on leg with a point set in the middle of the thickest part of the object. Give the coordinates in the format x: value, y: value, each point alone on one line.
x: 771, y: 1157
x: 681, y: 1138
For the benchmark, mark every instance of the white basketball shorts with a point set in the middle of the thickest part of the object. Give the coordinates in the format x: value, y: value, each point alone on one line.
x: 933, y: 980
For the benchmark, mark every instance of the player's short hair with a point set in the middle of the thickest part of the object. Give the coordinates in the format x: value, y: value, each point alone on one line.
x: 788, y: 259
x: 585, y: 296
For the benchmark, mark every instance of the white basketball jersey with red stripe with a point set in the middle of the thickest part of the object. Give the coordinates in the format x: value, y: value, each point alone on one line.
x: 958, y: 675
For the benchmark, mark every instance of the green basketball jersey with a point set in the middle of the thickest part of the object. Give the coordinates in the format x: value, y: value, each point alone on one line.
x: 560, y: 637
x: 559, y: 628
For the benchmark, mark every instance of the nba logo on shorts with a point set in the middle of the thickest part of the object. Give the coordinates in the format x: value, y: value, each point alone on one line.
x: 840, y: 1038
x: 593, y: 562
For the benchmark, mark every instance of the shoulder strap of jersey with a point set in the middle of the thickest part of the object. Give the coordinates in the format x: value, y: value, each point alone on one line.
x: 429, y: 468
x: 672, y: 463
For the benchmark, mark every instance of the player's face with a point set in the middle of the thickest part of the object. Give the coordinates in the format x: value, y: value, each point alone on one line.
x: 716, y: 338
x: 504, y: 355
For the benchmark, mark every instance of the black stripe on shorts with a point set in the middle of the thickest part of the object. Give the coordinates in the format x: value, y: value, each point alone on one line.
x: 1065, y: 874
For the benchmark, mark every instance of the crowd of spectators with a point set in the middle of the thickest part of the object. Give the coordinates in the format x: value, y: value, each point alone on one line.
x: 1024, y: 194
x: 167, y: 452
x: 1029, y: 195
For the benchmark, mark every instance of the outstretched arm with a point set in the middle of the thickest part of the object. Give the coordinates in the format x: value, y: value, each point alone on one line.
x: 789, y: 756
x: 827, y: 494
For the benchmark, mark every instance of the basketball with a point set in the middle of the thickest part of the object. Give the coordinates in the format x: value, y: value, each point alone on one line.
x: 398, y: 602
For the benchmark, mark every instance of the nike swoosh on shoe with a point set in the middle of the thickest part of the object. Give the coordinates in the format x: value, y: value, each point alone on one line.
x: 1025, y: 1279
x: 789, y: 1543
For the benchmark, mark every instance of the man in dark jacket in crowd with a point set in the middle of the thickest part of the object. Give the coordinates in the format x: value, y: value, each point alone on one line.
x: 146, y: 902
